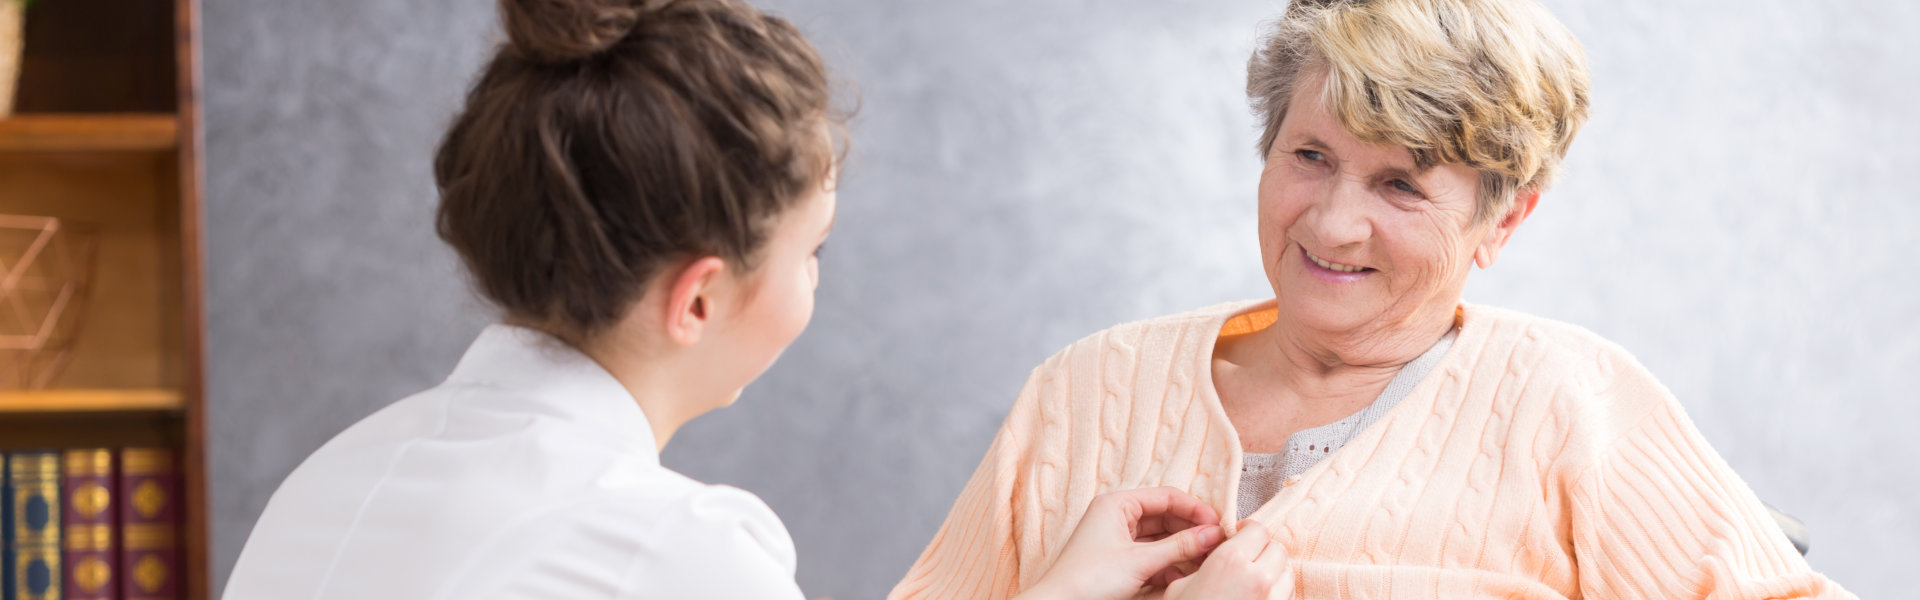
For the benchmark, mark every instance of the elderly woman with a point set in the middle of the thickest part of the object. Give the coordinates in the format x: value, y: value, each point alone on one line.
x: 1393, y: 441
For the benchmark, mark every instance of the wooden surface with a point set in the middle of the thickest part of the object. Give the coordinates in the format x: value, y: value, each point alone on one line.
x: 99, y: 56
x: 122, y: 204
x: 190, y: 256
x: 106, y: 137
x: 79, y: 131
x: 89, y: 401
x: 34, y: 431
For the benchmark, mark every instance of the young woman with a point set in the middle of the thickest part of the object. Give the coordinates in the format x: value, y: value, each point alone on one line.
x: 642, y: 189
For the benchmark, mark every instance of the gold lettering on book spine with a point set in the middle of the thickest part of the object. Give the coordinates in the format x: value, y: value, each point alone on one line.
x: 90, y: 462
x: 92, y: 536
x: 146, y: 461
x: 147, y: 537
x: 92, y: 575
x: 91, y: 500
x: 150, y: 574
x: 149, y: 498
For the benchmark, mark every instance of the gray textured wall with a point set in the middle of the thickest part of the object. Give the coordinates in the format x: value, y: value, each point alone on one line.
x: 1738, y: 213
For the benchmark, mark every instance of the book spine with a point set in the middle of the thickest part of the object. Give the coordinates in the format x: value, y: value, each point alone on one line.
x: 87, y: 487
x: 36, y: 525
x: 6, y: 528
x: 149, y: 557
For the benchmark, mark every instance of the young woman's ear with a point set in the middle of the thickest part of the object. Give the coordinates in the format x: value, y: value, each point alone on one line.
x: 1523, y: 204
x: 690, y: 299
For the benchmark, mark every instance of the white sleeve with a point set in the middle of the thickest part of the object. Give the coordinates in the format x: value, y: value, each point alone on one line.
x: 720, y: 543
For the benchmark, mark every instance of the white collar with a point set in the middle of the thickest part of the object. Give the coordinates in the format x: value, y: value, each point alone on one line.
x: 546, y: 376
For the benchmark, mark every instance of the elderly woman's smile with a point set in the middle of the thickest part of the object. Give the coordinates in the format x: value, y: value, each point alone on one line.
x: 1340, y: 272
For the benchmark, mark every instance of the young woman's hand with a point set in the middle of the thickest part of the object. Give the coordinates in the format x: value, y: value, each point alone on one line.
x: 1250, y: 565
x: 1128, y: 541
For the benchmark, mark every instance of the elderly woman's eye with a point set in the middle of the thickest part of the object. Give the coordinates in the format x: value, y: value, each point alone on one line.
x: 1402, y: 185
x: 1310, y: 155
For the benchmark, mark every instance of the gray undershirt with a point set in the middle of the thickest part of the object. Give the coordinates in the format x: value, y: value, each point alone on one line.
x: 1262, y: 475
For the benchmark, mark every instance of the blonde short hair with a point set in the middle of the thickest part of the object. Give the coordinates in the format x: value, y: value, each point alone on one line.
x: 1497, y: 85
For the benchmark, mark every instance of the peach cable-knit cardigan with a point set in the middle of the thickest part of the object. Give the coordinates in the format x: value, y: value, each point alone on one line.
x: 1536, y: 460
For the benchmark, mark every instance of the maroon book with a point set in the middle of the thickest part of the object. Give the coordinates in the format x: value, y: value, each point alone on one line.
x: 149, y: 525
x: 86, y: 485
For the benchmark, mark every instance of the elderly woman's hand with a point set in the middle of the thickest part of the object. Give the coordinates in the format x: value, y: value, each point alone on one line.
x: 1128, y: 541
x: 1250, y: 565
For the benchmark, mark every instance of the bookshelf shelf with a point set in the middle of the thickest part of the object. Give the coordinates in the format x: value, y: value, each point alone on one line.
x: 89, y: 401
x: 89, y: 132
x: 106, y: 138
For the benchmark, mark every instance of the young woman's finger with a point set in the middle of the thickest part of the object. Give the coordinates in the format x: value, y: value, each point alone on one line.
x: 1273, y: 556
x: 1155, y: 527
x: 1154, y: 503
x: 1247, y: 542
x: 1192, y: 544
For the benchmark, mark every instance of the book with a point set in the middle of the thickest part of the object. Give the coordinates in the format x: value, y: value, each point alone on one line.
x: 149, y: 517
x: 88, y: 546
x: 6, y: 529
x: 36, y: 525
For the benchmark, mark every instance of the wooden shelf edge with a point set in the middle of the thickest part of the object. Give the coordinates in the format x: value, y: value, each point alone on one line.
x: 89, y: 132
x: 90, y: 401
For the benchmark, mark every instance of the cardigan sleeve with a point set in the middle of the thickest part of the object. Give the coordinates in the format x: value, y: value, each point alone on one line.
x: 976, y: 553
x: 1659, y: 514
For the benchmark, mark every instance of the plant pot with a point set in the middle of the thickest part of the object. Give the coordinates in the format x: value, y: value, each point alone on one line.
x: 12, y: 40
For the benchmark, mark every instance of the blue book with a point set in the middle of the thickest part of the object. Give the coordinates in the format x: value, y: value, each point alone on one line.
x: 6, y: 529
x: 35, y: 477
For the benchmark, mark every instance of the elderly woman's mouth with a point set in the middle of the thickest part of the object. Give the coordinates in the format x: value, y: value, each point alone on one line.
x: 1330, y: 268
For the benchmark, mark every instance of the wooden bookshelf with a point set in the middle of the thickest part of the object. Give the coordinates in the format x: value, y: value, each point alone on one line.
x: 105, y: 136
x: 89, y: 132
x: 13, y: 402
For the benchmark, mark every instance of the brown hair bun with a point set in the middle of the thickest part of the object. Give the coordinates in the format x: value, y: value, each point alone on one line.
x: 567, y: 30
x: 595, y: 150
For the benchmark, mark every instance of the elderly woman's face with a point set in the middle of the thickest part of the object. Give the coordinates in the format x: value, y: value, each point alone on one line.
x: 1354, y: 237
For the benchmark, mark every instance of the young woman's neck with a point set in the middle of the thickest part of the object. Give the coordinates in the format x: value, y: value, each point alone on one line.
x: 657, y: 381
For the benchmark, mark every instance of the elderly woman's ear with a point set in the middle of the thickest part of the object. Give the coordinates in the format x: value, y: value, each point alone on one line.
x: 1523, y: 203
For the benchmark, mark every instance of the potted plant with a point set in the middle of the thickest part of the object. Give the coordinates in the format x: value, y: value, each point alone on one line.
x: 12, y: 39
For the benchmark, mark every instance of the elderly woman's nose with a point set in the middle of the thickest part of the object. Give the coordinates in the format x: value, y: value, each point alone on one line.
x: 1338, y: 217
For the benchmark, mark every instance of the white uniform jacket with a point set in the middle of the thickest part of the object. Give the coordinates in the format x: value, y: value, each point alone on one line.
x: 529, y: 473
